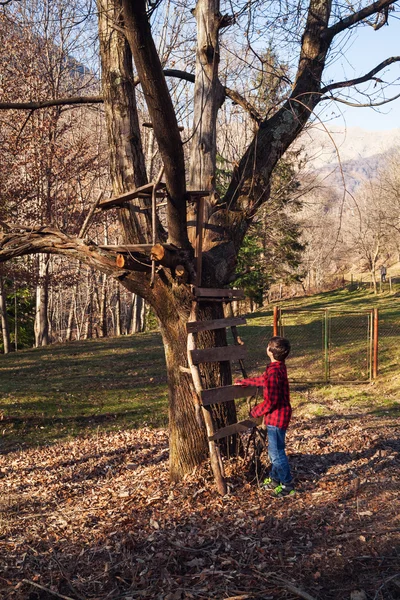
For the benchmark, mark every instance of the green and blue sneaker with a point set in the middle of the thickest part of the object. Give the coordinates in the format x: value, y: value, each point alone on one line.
x: 269, y: 484
x: 282, y: 490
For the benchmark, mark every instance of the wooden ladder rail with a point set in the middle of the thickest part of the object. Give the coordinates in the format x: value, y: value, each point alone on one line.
x: 215, y: 454
x: 218, y: 395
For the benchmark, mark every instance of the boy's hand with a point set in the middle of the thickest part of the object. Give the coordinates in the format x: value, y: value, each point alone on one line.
x: 237, y: 382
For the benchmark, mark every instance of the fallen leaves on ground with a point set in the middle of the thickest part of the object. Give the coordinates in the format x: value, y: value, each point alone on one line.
x: 98, y: 518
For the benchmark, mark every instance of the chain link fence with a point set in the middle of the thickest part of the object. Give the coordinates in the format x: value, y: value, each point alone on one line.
x: 328, y: 345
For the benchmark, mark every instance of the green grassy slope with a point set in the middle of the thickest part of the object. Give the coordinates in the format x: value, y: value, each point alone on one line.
x: 61, y: 391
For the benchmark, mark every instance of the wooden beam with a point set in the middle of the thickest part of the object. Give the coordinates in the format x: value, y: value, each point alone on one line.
x: 206, y: 293
x: 198, y: 248
x: 141, y: 248
x: 239, y: 427
x: 196, y: 194
x: 194, y: 326
x: 144, y: 191
x: 221, y: 354
x: 220, y: 395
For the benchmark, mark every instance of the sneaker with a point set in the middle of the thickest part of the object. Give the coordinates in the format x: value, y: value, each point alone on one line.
x: 269, y: 483
x: 284, y: 490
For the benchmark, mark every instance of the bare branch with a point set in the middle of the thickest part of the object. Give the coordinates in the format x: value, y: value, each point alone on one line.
x: 367, y: 77
x: 47, y: 103
x: 356, y: 17
x: 232, y: 94
x: 356, y: 105
x: 19, y: 240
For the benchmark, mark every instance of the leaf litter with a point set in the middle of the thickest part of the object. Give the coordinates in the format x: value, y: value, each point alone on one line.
x: 98, y: 518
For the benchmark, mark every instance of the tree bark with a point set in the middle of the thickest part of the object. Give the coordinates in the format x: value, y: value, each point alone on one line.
x: 208, y: 96
x: 137, y: 315
x: 42, y: 299
x: 127, y: 163
x: 118, y: 327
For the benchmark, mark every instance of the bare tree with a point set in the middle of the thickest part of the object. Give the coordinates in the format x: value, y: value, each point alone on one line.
x: 124, y: 32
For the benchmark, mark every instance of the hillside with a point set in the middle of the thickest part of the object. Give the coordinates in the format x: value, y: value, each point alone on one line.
x: 357, y: 152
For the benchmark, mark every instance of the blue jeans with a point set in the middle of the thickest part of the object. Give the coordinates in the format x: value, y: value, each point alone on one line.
x: 280, y: 470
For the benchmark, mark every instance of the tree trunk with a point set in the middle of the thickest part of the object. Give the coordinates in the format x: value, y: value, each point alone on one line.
x: 71, y: 313
x: 103, y: 307
x: 126, y: 154
x: 188, y: 440
x: 5, y: 329
x: 118, y: 327
x: 88, y: 333
x: 138, y: 314
x: 208, y: 96
x: 42, y: 299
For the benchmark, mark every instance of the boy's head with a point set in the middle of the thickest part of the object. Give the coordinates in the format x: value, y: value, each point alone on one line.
x: 279, y: 347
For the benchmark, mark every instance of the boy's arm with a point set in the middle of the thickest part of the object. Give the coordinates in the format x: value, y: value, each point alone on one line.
x: 258, y: 381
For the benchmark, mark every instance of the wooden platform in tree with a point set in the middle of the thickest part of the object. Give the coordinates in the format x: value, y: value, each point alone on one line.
x: 220, y: 395
x: 221, y: 354
x: 145, y: 191
x: 239, y: 427
x: 217, y: 294
x: 195, y: 326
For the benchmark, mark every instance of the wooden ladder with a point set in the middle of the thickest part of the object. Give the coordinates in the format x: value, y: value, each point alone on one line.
x: 218, y: 395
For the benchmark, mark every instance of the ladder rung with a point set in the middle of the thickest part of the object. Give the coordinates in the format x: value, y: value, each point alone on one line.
x: 239, y: 427
x: 226, y: 393
x: 218, y: 293
x: 194, y: 326
x: 220, y: 354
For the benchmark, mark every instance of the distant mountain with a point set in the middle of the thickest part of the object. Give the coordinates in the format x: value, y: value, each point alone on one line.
x: 359, y: 153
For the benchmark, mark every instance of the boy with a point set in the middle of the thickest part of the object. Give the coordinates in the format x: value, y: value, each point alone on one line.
x: 277, y: 411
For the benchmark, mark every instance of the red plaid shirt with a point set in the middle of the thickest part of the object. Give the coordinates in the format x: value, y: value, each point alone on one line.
x: 276, y: 404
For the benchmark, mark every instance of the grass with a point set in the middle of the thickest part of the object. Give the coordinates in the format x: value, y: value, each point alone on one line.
x: 62, y: 391
x: 67, y: 390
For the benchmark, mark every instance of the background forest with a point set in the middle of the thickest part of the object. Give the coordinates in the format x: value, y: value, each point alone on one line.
x: 317, y: 228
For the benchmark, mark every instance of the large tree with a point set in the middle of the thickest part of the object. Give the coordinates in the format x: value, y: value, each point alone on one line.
x: 125, y: 33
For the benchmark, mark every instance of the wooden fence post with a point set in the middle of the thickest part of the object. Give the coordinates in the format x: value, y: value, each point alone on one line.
x: 376, y: 338
x: 276, y: 320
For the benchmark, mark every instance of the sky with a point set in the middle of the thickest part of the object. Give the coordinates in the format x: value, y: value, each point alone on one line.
x: 365, y: 50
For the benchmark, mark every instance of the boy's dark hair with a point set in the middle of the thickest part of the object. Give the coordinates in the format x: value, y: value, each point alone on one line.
x: 279, y: 347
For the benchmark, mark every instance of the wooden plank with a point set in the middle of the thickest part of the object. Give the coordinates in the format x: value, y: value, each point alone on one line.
x: 224, y: 353
x: 144, y: 191
x: 195, y: 194
x: 200, y: 292
x: 194, y: 326
x: 220, y: 395
x: 239, y: 427
x: 143, y: 248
